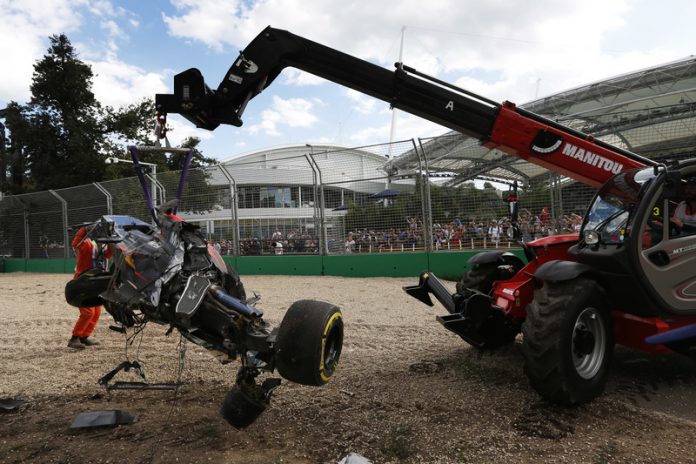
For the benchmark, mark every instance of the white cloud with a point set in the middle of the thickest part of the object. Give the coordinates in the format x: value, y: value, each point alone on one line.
x: 370, y: 134
x: 23, y: 41
x: 294, y: 76
x: 406, y: 126
x: 500, y: 49
x: 362, y: 103
x: 293, y: 112
x: 25, y: 26
x: 435, y: 28
x: 321, y: 140
x: 510, y: 44
x: 117, y: 83
x: 210, y: 22
x: 112, y: 28
x: 102, y: 8
x: 180, y: 129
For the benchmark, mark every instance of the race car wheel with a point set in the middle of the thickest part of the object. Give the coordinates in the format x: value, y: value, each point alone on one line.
x: 309, y: 344
x: 84, y: 291
x: 568, y: 342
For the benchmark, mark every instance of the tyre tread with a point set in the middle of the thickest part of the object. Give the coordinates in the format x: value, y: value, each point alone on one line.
x: 541, y: 347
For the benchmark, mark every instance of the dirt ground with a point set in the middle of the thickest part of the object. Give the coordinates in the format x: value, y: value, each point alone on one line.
x: 406, y: 391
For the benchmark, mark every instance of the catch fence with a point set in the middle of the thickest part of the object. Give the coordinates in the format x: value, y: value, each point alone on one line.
x: 308, y: 200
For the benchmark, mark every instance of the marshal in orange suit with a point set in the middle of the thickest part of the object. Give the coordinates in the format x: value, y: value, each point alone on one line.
x: 90, y: 255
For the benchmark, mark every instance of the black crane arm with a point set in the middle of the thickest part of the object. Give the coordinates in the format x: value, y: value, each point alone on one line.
x: 498, y: 126
x: 272, y: 50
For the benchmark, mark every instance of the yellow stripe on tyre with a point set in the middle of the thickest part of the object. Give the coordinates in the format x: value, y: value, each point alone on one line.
x: 336, y: 315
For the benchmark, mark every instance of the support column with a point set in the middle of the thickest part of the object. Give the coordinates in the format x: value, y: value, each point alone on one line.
x: 109, y: 198
x: 233, y: 209
x: 64, y: 203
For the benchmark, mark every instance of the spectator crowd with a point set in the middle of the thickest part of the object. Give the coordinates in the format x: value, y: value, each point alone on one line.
x: 472, y: 233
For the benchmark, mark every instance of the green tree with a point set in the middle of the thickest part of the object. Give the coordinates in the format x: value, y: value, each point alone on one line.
x: 15, y: 165
x: 198, y: 160
x: 130, y: 125
x: 63, y: 136
x: 60, y: 136
x: 198, y: 196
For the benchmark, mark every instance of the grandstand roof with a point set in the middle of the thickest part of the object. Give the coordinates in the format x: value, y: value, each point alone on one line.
x: 651, y: 112
x: 298, y: 151
x: 358, y: 169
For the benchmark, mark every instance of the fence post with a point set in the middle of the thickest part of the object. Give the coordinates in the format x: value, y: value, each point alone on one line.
x: 323, y: 244
x: 424, y: 172
x: 556, y: 191
x: 315, y: 204
x: 233, y: 209
x: 109, y: 202
x: 159, y: 191
x: 27, y: 250
x: 26, y: 225
x: 65, y: 222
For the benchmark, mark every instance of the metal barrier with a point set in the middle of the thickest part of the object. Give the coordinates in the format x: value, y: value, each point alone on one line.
x: 308, y: 200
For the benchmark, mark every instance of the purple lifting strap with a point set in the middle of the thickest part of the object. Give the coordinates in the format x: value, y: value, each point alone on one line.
x: 139, y: 171
x: 182, y: 179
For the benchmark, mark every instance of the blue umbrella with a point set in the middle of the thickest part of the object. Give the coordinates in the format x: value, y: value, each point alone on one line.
x: 340, y: 208
x: 388, y: 193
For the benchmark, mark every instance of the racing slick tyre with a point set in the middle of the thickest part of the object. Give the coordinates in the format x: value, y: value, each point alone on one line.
x: 568, y: 342
x: 84, y: 291
x: 309, y: 344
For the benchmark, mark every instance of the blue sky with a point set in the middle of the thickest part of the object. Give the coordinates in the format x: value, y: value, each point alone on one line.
x: 502, y: 49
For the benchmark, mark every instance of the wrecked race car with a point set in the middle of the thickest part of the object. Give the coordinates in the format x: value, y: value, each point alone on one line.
x: 167, y: 273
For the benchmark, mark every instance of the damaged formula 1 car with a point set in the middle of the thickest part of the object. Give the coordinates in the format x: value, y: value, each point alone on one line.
x: 166, y: 272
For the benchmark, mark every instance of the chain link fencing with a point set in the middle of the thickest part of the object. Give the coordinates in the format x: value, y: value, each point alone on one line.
x: 366, y: 210
x: 328, y: 200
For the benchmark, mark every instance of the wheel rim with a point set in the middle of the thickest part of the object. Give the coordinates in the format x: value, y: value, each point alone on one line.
x: 589, y: 343
x: 331, y: 350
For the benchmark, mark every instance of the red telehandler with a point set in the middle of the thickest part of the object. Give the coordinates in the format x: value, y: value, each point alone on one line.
x: 628, y: 277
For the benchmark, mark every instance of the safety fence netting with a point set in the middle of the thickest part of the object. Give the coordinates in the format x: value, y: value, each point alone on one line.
x: 436, y: 194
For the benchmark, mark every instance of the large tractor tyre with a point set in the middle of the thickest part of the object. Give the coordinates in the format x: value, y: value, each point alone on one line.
x: 309, y: 344
x: 568, y: 342
x: 480, y: 278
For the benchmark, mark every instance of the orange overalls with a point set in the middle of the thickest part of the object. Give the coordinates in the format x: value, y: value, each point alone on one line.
x: 87, y: 258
